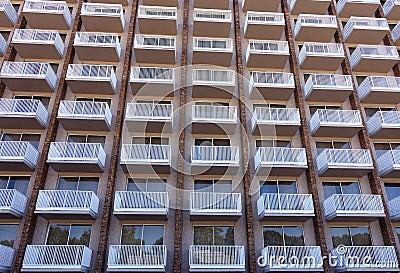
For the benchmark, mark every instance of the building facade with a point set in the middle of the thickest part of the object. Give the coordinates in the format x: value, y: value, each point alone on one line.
x: 199, y: 136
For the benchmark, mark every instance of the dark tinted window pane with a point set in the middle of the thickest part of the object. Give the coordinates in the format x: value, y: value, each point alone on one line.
x: 88, y: 184
x: 287, y: 187
x: 33, y: 139
x: 392, y: 190
x: 203, y: 185
x: 398, y: 232
x: 156, y: 185
x: 224, y: 236
x: 58, y: 234
x: 20, y: 183
x: 273, y: 236
x: 135, y: 184
x: 340, y: 236
x: 269, y: 187
x: 3, y: 182
x: 294, y: 236
x: 203, y: 235
x: 350, y: 188
x: 79, y: 235
x: 131, y: 235
x: 8, y: 233
x: 360, y: 236
x: 223, y: 186
x: 330, y: 188
x: 68, y: 183
x: 153, y: 235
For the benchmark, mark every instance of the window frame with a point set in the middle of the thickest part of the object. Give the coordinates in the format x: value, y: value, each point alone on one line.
x: 141, y: 237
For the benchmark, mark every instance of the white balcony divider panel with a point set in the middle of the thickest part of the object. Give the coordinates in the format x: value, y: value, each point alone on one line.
x: 12, y: 201
x: 92, y: 72
x: 214, y: 76
x: 61, y: 257
x: 313, y: 20
x: 309, y: 257
x: 6, y: 256
x: 383, y: 119
x: 49, y: 7
x: 322, y: 81
x: 280, y: 156
x: 215, y: 202
x: 19, y: 150
x: 285, y: 203
x: 24, y: 108
x: 36, y: 36
x: 364, y: 204
x: 377, y: 255
x: 394, y: 208
x: 216, y: 257
x: 99, y: 9
x: 214, y: 113
x: 215, y: 155
x: 380, y: 83
x: 342, y: 3
x: 373, y: 52
x: 149, y: 111
x: 275, y: 115
x: 98, y: 39
x: 155, y: 41
x: 389, y: 5
x: 389, y: 161
x: 263, y: 18
x: 209, y: 15
x: 212, y: 44
x: 156, y: 12
x: 343, y: 157
x: 85, y: 110
x: 67, y: 201
x: 320, y: 49
x: 147, y: 153
x: 326, y: 117
x: 3, y: 45
x: 8, y: 9
x: 77, y: 152
x: 395, y: 31
x: 364, y: 23
x: 152, y: 73
x: 131, y: 201
x: 137, y: 257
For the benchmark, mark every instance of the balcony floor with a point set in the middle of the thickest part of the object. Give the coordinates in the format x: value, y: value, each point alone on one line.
x: 66, y: 214
x: 260, y: 92
x: 39, y: 85
x: 76, y: 166
x: 329, y: 94
x: 97, y: 53
x: 280, y: 170
x: 19, y: 122
x: 274, y: 61
x: 358, y: 9
x: 283, y: 216
x: 367, y: 37
x: 310, y: 7
x: 152, y: 89
x: 8, y: 213
x: 269, y: 129
x: 82, y: 124
x: 90, y: 86
x: 217, y: 128
x: 388, y: 132
x: 264, y: 32
x: 157, y: 26
x: 209, y: 215
x: 354, y: 216
x: 149, y: 126
x: 340, y: 130
x: 154, y: 56
x: 374, y: 65
x: 141, y: 214
x: 213, y: 91
x: 343, y: 171
x: 211, y: 29
x: 41, y: 21
x: 14, y: 165
x: 146, y: 168
x: 102, y: 23
x: 37, y: 51
x: 214, y: 169
x: 316, y: 34
x: 382, y: 97
x: 219, y: 58
x: 322, y: 63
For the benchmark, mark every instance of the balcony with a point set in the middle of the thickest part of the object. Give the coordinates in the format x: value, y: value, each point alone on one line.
x: 97, y: 46
x: 84, y: 116
x: 137, y: 258
x: 146, y: 158
x: 40, y: 13
x: 103, y: 17
x: 260, y: 5
x: 396, y: 34
x: 380, y: 90
x: 18, y: 156
x: 211, y: 4
x: 315, y: 28
x: 373, y: 59
x: 309, y: 6
x: 130, y: 205
x: 353, y: 207
x: 271, y: 85
x: 365, y: 8
x: 38, y: 44
x: 328, y: 87
x: 389, y: 164
x: 212, y: 23
x: 3, y: 46
x: 67, y: 204
x: 280, y: 161
x: 275, y: 121
x: 264, y: 25
x: 168, y: 3
x: 152, y: 81
x: 215, y: 120
x: 369, y: 258
x: 77, y: 157
x: 285, y: 207
x: 321, y: 56
x: 12, y: 205
x: 213, y: 83
x: 214, y: 51
x: 91, y: 79
x: 363, y: 30
x: 8, y: 15
x: 157, y: 20
x: 344, y: 162
x: 309, y: 257
x: 267, y: 54
x: 335, y: 123
x: 6, y: 258
x: 31, y: 114
x: 384, y: 124
x: 391, y: 10
x: 149, y: 117
x: 394, y: 209
x: 215, y: 160
x: 219, y: 205
x: 210, y: 258
x: 56, y: 258
x: 152, y: 49
x: 28, y: 76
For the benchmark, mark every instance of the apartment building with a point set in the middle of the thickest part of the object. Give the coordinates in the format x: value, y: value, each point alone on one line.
x: 199, y: 135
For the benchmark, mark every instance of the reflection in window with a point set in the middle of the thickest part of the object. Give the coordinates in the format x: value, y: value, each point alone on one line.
x: 283, y: 236
x: 19, y: 183
x: 142, y: 235
x: 8, y: 233
x: 214, y: 235
x: 351, y: 236
x: 78, y: 183
x: 60, y: 234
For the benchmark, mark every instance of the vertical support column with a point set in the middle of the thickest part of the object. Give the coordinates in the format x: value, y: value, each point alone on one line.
x: 43, y: 167
x: 311, y: 172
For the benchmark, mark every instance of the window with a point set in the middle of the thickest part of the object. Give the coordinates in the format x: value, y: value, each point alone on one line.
x: 331, y: 188
x: 314, y: 108
x: 269, y: 105
x: 86, y: 139
x: 20, y: 183
x: 224, y: 186
x: 155, y: 102
x: 273, y: 143
x: 78, y: 183
x: 108, y: 101
x: 392, y: 190
x: 398, y: 232
x: 381, y: 148
x: 212, y: 103
x: 8, y: 233
x: 142, y: 235
x: 278, y: 186
x: 44, y: 100
x: 370, y: 111
x: 283, y: 236
x: 61, y: 234
x: 214, y: 235
x: 146, y: 185
x: 351, y: 236
x: 322, y: 145
x: 33, y: 139
x: 150, y: 140
x: 212, y: 142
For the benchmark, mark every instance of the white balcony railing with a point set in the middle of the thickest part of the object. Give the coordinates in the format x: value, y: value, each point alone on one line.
x: 67, y: 202
x: 146, y: 153
x: 215, y: 202
x: 320, y: 49
x: 388, y: 6
x: 213, y: 76
x: 348, y: 158
x: 33, y: 36
x: 342, y: 3
x: 216, y: 257
x: 352, y: 204
x: 267, y: 47
x: 137, y: 257
x: 280, y: 156
x: 378, y: 83
x: 6, y: 257
x: 155, y: 42
x: 396, y: 32
x: 99, y: 9
x: 157, y: 12
x: 19, y: 150
x: 327, y: 81
x: 150, y: 74
x: 24, y: 108
x: 61, y: 257
x: 338, y: 118
x: 212, y: 113
x: 215, y: 155
x: 8, y: 9
x: 389, y: 161
x: 373, y: 52
x: 141, y: 202
x: 13, y: 202
x: 264, y: 18
x: 48, y: 7
x: 210, y: 15
x: 275, y: 116
x: 367, y: 257
x: 85, y: 110
x: 313, y: 20
x: 98, y: 39
x: 270, y: 79
x: 212, y: 44
x: 394, y: 208
x: 91, y: 72
x: 3, y: 46
x: 149, y: 111
x: 29, y: 70
x: 383, y: 119
x: 65, y: 152
x: 285, y: 204
x: 367, y: 23
x: 309, y: 258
